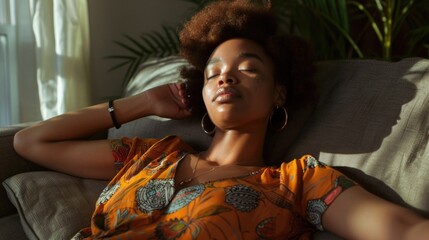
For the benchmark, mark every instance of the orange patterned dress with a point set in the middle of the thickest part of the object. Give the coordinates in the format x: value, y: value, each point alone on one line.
x: 285, y: 202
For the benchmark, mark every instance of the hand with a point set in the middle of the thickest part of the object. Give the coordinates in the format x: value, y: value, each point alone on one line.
x: 169, y: 101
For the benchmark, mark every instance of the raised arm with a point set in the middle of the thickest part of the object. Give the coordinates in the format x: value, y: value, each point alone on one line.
x: 61, y: 143
x: 357, y: 214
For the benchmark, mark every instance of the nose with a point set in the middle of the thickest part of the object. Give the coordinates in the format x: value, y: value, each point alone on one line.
x: 226, y: 78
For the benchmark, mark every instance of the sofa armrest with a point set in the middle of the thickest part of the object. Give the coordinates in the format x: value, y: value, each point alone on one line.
x: 11, y: 164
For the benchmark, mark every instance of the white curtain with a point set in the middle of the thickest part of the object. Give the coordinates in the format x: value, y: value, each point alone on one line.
x: 62, y: 39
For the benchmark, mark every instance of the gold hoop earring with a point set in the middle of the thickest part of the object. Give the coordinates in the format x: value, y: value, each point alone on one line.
x: 278, y: 118
x: 207, y: 125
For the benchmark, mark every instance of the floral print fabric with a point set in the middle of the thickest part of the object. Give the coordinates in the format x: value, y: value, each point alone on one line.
x: 285, y: 202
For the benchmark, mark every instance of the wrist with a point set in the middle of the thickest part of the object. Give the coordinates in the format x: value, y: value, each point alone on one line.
x: 111, y: 110
x: 132, y: 107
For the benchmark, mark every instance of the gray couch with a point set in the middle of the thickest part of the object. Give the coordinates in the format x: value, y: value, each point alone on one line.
x: 371, y: 123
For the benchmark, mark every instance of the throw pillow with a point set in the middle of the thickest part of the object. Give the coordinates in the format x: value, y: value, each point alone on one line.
x: 53, y: 205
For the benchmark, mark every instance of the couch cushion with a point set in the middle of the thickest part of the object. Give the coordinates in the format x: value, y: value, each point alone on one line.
x: 154, y: 73
x: 52, y: 205
x: 372, y: 124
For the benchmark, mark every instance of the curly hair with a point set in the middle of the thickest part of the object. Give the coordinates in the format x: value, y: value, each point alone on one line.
x: 227, y: 19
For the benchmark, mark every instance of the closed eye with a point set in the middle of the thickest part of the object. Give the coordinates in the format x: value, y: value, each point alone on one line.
x: 212, y: 76
x: 247, y: 70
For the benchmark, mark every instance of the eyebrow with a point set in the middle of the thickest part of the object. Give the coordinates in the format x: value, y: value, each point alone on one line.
x: 251, y: 55
x: 241, y: 55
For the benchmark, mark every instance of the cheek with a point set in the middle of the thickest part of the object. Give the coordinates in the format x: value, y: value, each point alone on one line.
x: 207, y: 92
x: 264, y: 91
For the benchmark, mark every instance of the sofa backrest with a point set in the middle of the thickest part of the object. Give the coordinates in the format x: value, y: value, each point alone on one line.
x: 372, y: 124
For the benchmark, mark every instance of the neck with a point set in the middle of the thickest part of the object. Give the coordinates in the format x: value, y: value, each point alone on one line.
x: 235, y: 147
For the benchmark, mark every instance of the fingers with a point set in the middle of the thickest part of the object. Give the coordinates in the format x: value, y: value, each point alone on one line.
x: 184, y: 94
x: 184, y: 113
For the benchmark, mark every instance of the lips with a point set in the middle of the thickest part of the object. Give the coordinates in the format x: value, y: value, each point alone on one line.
x: 225, y: 94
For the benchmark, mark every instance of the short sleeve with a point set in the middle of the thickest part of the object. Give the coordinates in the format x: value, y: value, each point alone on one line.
x: 127, y: 150
x: 316, y: 186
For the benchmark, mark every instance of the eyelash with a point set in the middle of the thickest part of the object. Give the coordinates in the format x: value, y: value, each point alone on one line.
x: 212, y: 76
x: 247, y: 70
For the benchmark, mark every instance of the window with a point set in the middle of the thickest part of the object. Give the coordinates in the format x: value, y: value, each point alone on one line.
x: 9, y: 101
x: 19, y: 99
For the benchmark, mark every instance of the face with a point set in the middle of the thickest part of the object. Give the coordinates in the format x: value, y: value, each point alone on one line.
x: 239, y: 88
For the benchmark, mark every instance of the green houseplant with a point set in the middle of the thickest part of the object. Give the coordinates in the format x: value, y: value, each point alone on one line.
x: 339, y: 29
x: 150, y: 45
x: 359, y: 28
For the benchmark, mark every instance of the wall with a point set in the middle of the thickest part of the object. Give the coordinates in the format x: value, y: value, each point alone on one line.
x: 109, y: 20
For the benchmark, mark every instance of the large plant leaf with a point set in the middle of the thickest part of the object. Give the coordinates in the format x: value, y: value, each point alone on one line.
x: 393, y: 22
x: 371, y: 21
x: 324, y: 23
x: 146, y: 46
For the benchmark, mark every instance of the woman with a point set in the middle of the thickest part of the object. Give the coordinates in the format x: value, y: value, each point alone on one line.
x: 166, y: 190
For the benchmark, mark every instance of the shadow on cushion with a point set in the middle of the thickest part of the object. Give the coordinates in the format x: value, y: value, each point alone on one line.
x: 373, y: 117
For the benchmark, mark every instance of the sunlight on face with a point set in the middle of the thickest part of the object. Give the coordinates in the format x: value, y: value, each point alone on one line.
x: 239, y: 86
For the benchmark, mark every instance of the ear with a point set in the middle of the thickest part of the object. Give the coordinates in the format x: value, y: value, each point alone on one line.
x: 280, y: 95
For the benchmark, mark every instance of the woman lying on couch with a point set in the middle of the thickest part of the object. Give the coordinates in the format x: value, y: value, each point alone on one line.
x: 163, y: 189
